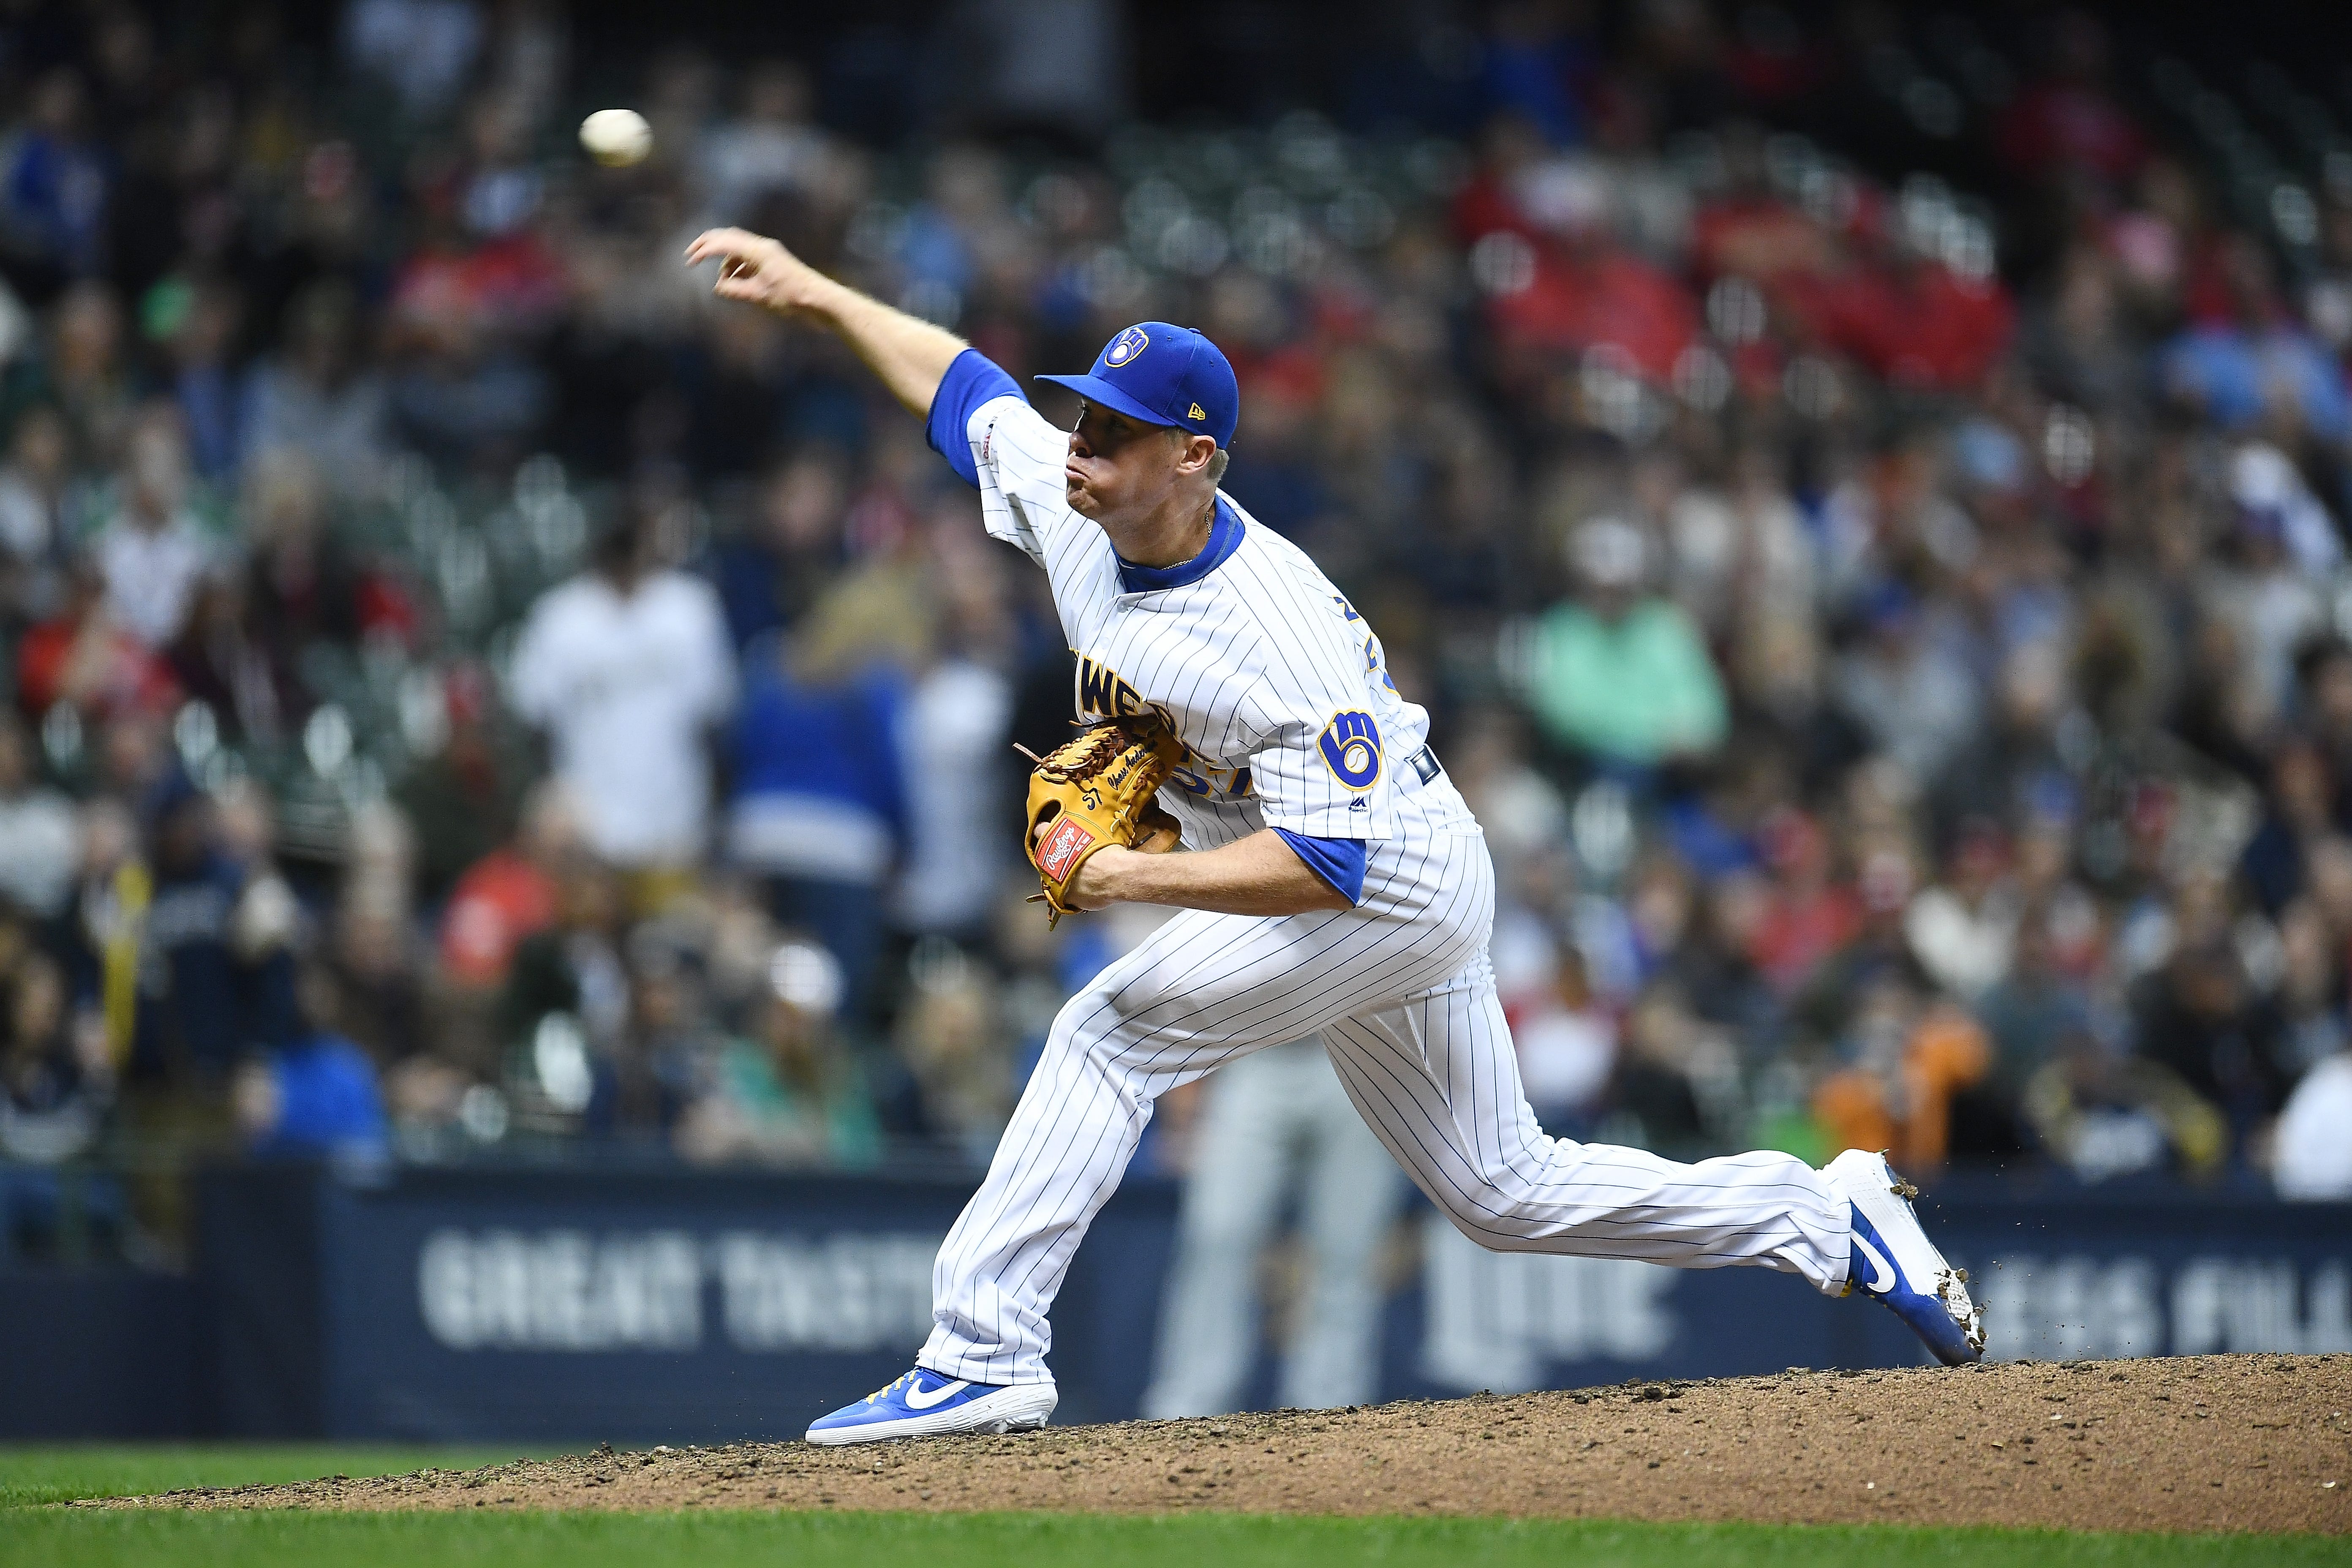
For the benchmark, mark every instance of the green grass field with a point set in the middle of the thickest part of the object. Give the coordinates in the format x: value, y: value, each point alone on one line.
x: 30, y: 1475
x: 31, y: 1533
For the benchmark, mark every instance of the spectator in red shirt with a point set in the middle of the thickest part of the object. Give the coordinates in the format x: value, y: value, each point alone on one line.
x: 1749, y: 230
x: 1590, y: 294
x: 509, y: 894
x: 1808, y: 917
x: 1488, y: 200
x: 81, y: 657
x: 1588, y: 289
x: 2069, y: 123
x: 1916, y: 322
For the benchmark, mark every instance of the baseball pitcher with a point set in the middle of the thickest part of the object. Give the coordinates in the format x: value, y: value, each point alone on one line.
x: 1247, y: 760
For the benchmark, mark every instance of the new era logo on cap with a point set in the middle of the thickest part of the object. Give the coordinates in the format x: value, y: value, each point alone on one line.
x: 1162, y: 373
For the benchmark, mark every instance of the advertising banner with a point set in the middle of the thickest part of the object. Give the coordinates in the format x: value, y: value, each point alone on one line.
x: 692, y: 1308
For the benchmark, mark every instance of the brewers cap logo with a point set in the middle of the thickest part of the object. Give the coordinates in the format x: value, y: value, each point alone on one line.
x: 1125, y: 347
x: 1351, y: 746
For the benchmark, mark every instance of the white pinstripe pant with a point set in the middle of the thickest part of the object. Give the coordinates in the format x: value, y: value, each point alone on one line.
x: 1400, y: 990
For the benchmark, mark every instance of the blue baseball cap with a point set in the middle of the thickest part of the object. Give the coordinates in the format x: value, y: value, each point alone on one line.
x: 1163, y: 375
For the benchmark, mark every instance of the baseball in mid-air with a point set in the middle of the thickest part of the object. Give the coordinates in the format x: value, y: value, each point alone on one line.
x: 616, y: 138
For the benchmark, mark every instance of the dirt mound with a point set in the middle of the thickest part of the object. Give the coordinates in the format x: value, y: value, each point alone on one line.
x: 2210, y: 1443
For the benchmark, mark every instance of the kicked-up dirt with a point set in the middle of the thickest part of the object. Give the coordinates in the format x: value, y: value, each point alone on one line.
x: 2209, y: 1443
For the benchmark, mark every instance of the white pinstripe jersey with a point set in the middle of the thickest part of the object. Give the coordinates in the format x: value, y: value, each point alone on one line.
x: 1275, y: 683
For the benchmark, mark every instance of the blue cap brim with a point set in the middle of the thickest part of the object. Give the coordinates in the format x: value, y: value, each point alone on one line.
x: 1095, y: 389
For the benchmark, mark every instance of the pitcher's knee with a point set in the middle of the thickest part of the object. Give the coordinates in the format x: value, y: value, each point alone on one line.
x: 1496, y: 1218
x: 1102, y: 1027
x: 1087, y: 1053
x: 1084, y: 1028
x: 1100, y: 1010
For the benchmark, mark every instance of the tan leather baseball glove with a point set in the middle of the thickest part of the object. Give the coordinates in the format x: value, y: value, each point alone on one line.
x: 1098, y: 787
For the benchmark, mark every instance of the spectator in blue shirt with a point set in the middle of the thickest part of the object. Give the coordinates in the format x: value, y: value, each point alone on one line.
x: 316, y: 1095
x: 2259, y: 364
x: 53, y: 180
x: 819, y: 807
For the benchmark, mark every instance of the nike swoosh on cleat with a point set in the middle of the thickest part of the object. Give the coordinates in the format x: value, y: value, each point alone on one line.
x: 1882, y: 1279
x: 917, y: 1400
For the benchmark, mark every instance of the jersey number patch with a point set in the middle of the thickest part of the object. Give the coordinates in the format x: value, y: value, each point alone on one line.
x: 1351, y: 746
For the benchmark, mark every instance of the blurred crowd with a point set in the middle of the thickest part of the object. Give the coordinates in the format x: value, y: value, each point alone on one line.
x: 468, y: 693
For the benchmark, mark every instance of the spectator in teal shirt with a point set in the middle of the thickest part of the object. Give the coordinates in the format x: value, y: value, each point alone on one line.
x: 792, y: 1095
x: 1619, y: 674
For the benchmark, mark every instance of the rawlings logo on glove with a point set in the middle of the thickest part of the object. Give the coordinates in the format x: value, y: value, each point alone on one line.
x: 1101, y: 786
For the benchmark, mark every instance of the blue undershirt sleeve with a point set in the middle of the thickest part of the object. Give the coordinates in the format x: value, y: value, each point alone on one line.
x: 1339, y: 861
x: 973, y: 379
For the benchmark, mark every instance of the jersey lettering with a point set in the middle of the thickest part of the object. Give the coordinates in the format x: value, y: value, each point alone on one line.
x: 1212, y: 783
x: 1103, y: 693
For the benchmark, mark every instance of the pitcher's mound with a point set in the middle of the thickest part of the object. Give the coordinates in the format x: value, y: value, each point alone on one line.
x: 2209, y: 1443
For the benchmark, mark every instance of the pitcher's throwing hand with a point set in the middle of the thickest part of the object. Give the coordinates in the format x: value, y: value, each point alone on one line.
x: 757, y: 270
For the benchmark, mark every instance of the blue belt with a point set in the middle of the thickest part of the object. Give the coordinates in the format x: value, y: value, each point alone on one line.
x: 1425, y: 763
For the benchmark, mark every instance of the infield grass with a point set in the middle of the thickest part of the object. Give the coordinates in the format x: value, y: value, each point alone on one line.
x: 55, y: 1538
x: 31, y: 1474
x: 1049, y: 1541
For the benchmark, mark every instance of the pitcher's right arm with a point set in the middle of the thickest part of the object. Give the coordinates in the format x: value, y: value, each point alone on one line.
x: 934, y: 373
x: 910, y: 355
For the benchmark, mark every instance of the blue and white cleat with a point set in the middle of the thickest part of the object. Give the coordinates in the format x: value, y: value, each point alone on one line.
x: 1894, y: 1263
x: 922, y: 1404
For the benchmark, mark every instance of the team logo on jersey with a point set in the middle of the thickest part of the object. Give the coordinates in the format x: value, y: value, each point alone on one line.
x: 1351, y: 746
x: 1125, y: 347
